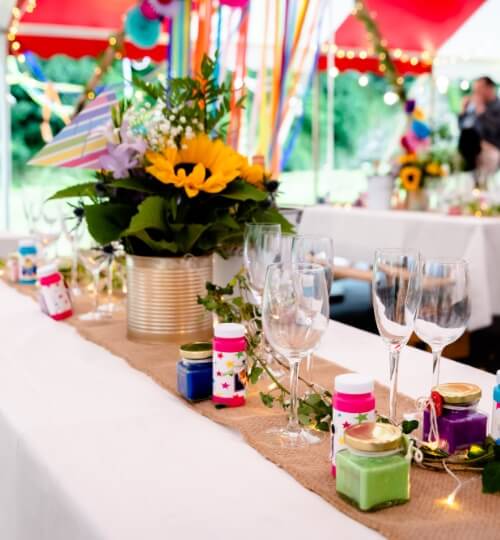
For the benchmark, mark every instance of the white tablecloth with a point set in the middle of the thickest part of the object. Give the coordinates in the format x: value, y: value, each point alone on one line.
x: 91, y: 449
x: 358, y: 232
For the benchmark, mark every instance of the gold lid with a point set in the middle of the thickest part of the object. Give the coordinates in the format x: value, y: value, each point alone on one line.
x: 196, y: 350
x: 461, y: 393
x: 373, y: 437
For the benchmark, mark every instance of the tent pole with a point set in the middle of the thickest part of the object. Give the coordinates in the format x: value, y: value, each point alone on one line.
x: 5, y: 143
x: 316, y: 151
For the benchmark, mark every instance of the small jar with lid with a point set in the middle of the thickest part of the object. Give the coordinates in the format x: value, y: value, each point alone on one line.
x: 459, y: 422
x: 373, y: 471
x: 194, y: 371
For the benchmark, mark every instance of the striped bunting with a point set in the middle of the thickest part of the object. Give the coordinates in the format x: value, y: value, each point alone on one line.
x: 80, y: 144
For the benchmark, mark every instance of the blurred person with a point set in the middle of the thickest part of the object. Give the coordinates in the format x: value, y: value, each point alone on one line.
x: 479, y: 122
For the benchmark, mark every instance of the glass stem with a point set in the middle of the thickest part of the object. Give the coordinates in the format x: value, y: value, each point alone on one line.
x: 436, y: 363
x: 293, y: 420
x: 96, y: 290
x: 74, y: 264
x: 393, y: 390
x: 109, y: 281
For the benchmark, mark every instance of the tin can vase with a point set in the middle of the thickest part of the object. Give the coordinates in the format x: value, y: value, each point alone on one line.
x: 162, y: 295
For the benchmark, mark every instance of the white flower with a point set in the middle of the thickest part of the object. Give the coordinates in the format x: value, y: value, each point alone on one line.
x: 182, y: 119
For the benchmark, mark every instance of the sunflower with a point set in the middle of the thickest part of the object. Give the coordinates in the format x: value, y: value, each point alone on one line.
x: 253, y: 174
x: 407, y: 158
x: 199, y: 165
x: 410, y: 177
x: 434, y: 169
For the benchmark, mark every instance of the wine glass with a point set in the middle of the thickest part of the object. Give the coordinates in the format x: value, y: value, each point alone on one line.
x: 317, y: 250
x: 74, y: 231
x: 47, y: 228
x: 444, y: 309
x: 261, y: 247
x: 295, y: 314
x: 396, y: 290
x: 113, y: 251
x: 95, y: 260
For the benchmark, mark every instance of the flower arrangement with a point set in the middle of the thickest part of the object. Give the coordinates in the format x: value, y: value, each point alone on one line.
x: 414, y: 170
x: 168, y: 184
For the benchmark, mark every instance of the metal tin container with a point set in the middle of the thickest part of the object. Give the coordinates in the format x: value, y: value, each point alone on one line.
x: 162, y: 298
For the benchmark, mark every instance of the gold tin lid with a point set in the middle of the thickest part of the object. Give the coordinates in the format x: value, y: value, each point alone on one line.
x: 373, y: 437
x: 196, y: 350
x: 459, y: 393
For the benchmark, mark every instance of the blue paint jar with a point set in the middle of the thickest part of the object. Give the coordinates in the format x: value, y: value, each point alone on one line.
x: 194, y: 371
x: 27, y: 261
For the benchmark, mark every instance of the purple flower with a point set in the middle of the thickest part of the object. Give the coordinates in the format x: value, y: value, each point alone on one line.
x: 124, y: 155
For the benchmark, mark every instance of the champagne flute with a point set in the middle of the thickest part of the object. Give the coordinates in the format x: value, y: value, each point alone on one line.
x: 95, y: 260
x: 261, y: 247
x: 444, y: 309
x: 396, y: 291
x: 113, y: 251
x: 47, y: 227
x: 295, y: 314
x: 317, y: 250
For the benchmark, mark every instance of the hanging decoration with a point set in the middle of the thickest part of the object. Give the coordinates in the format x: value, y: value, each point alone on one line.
x: 179, y: 50
x: 386, y: 64
x: 143, y: 21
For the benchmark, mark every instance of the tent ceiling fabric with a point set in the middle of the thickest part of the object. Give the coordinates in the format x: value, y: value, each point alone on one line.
x: 57, y: 26
x: 415, y: 26
x: 411, y: 25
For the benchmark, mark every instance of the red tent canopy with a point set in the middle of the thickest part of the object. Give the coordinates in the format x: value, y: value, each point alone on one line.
x: 77, y: 28
x: 416, y: 29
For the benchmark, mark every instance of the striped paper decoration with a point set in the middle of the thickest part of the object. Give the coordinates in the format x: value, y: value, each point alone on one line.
x: 80, y: 144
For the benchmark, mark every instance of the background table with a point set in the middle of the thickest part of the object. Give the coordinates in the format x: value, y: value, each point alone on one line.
x: 91, y: 449
x: 357, y: 232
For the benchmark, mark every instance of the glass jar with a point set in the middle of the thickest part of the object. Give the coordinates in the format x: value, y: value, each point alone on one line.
x: 194, y: 371
x: 373, y: 471
x: 460, y: 424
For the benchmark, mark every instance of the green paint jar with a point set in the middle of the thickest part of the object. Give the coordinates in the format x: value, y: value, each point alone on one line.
x: 373, y: 471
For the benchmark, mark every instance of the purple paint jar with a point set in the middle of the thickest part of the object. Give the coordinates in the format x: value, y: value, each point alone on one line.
x: 460, y: 423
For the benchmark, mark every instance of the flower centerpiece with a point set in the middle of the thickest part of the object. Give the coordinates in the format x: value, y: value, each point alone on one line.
x: 426, y: 160
x: 173, y: 193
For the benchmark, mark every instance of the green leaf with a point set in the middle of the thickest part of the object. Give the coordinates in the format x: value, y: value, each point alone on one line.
x: 255, y: 374
x: 107, y: 221
x: 491, y: 477
x: 150, y: 215
x: 157, y: 245
x: 266, y: 399
x: 134, y: 184
x: 409, y: 425
x: 272, y: 215
x: 239, y: 190
x: 189, y: 235
x: 80, y: 190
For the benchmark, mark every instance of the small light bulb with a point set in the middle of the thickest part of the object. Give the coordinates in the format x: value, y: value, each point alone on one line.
x: 363, y: 80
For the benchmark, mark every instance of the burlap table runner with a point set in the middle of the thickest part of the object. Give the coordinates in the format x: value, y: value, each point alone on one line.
x: 424, y: 517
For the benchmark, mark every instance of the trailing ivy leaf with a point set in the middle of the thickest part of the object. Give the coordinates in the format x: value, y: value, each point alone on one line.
x: 80, y: 190
x: 409, y: 425
x: 255, y: 374
x: 239, y: 190
x: 491, y: 477
x: 323, y: 426
x: 266, y: 399
x: 107, y: 221
x: 150, y: 215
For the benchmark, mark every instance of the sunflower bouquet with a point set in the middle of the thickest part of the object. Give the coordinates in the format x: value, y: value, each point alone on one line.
x: 169, y: 185
x: 415, y: 170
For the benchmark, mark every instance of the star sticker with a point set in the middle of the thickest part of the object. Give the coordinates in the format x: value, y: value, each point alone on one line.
x: 341, y: 439
x: 225, y: 385
x: 220, y: 355
x: 219, y: 374
x: 346, y: 424
x: 230, y: 364
x: 361, y: 418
